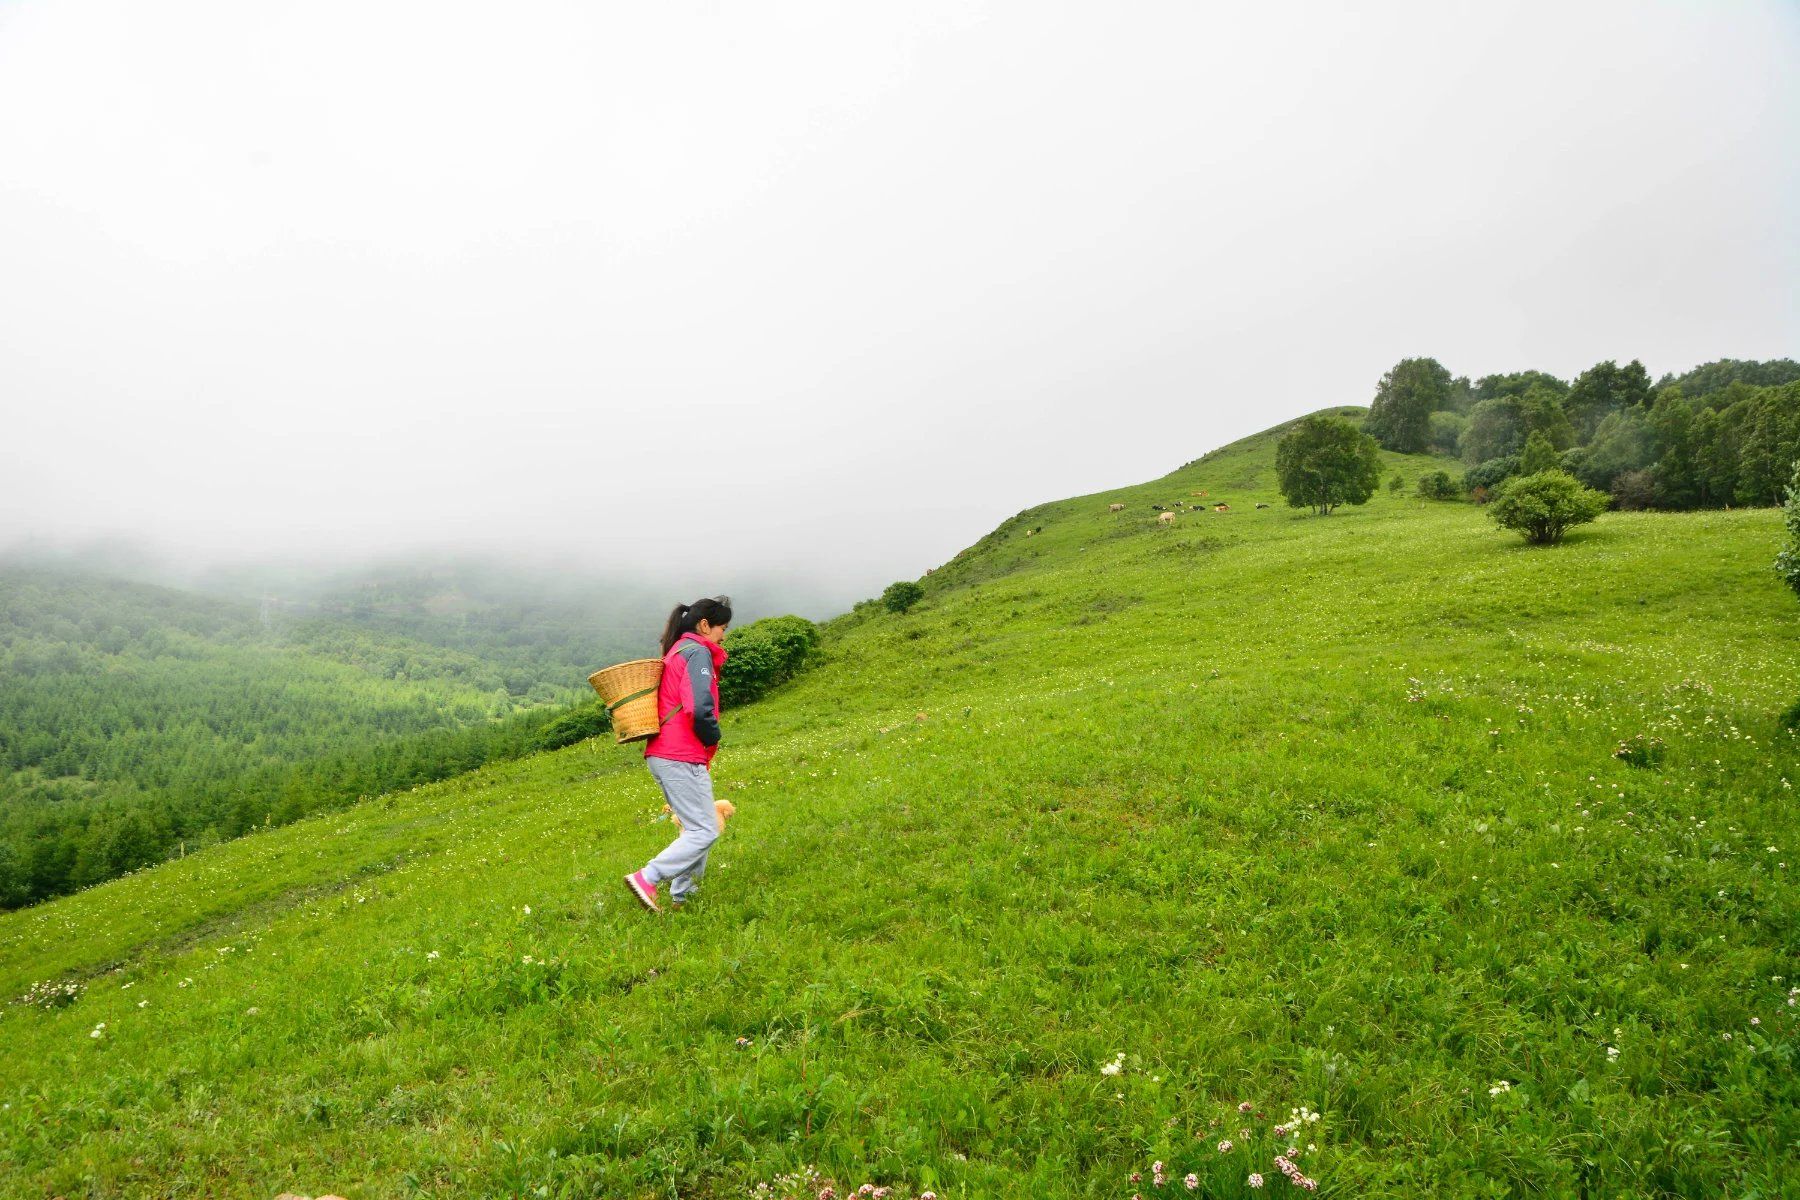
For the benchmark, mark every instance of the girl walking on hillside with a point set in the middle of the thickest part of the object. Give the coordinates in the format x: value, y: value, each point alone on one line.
x: 680, y: 755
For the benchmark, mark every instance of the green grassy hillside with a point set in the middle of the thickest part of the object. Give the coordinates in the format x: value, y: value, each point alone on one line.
x: 1283, y: 810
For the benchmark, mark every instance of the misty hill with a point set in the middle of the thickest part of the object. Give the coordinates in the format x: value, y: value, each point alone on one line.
x: 544, y: 632
x: 1477, y: 851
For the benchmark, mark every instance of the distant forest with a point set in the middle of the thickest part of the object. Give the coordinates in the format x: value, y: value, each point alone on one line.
x: 1726, y: 433
x: 139, y: 722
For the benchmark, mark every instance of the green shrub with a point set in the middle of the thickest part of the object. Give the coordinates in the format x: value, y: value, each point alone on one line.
x: 1491, y: 474
x: 764, y: 655
x: 579, y: 723
x: 1545, y: 505
x: 901, y: 596
x: 1437, y: 486
x: 1787, y: 563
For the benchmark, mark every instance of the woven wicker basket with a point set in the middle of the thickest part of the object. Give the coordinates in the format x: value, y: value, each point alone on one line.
x: 629, y: 691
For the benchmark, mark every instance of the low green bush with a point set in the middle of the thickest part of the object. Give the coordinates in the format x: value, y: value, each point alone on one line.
x: 1491, y: 474
x: 901, y: 596
x: 765, y: 654
x: 1437, y: 485
x: 1787, y: 562
x: 577, y: 724
x: 1544, y: 506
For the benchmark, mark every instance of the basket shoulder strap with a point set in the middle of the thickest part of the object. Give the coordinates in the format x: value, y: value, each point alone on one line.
x: 627, y: 699
x: 639, y: 695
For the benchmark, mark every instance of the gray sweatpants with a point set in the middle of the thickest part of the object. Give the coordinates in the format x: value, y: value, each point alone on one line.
x: 688, y: 789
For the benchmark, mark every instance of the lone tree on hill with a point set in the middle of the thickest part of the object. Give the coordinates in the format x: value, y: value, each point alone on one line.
x: 1545, y: 505
x: 1400, y: 417
x: 901, y: 596
x: 1326, y: 461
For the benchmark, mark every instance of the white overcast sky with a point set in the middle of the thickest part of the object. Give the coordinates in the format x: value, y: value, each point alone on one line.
x: 823, y: 291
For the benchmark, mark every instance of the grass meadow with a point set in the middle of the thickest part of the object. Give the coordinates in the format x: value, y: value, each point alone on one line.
x: 1259, y: 836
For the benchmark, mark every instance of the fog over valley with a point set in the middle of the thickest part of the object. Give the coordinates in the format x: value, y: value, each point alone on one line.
x: 807, y: 298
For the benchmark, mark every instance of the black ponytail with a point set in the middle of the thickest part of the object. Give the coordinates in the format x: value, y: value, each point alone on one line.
x: 685, y: 618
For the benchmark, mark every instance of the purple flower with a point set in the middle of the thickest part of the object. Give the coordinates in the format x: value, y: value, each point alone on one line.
x: 1255, y: 1180
x: 1192, y: 1181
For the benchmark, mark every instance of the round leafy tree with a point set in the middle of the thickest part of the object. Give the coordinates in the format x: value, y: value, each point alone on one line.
x: 1326, y: 461
x: 1545, y: 505
x: 901, y: 596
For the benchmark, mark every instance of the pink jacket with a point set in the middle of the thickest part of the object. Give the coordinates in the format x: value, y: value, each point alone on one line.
x: 687, y: 702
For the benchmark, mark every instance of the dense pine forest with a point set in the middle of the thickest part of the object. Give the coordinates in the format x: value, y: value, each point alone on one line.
x: 1725, y: 434
x: 140, y: 722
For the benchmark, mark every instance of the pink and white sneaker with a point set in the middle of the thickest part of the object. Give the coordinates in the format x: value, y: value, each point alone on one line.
x: 644, y: 890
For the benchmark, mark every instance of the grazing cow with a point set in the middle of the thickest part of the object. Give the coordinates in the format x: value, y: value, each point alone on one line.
x: 1115, y: 508
x: 1221, y: 508
x: 1262, y: 506
x: 1158, y: 508
x: 1167, y: 518
x: 1029, y: 532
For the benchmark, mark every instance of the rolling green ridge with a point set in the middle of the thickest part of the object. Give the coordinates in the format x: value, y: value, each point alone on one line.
x: 1029, y: 887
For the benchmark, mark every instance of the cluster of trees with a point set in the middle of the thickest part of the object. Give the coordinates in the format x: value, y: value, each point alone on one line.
x: 139, y: 722
x: 1724, y: 433
x: 1325, y: 461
